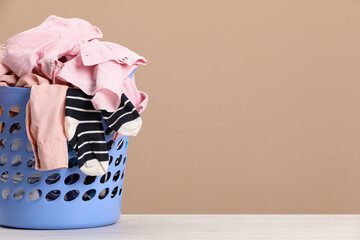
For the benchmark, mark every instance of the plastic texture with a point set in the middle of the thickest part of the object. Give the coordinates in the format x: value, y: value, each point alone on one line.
x: 57, y: 199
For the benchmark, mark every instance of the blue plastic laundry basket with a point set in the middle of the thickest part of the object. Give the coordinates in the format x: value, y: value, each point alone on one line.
x: 57, y: 199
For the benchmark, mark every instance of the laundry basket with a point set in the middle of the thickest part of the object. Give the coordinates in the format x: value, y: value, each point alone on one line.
x: 57, y: 199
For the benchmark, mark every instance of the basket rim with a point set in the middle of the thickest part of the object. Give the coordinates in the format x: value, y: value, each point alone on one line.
x: 15, y: 89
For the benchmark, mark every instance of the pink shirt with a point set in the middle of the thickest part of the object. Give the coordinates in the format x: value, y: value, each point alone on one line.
x: 106, y: 65
x: 43, y: 45
x: 69, y: 50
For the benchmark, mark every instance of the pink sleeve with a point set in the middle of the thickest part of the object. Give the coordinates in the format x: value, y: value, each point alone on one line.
x: 138, y: 98
x: 45, y: 126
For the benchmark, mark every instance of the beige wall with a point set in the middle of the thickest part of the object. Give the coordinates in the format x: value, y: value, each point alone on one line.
x: 254, y: 105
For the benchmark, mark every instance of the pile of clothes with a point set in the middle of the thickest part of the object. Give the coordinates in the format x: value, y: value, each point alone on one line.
x: 77, y: 82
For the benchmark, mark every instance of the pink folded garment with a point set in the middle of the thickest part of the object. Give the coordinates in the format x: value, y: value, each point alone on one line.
x: 45, y: 126
x: 69, y: 50
x: 44, y: 45
x: 9, y: 79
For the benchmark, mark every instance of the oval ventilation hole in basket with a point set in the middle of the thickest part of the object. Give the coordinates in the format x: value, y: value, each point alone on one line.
x: 15, y: 144
x: 71, y: 195
x: 124, y: 161
x: 71, y: 179
x: 110, y: 160
x: 122, y: 175
x: 2, y: 143
x: 1, y: 110
x: 4, y: 176
x: 53, y: 195
x: 89, y: 195
x: 18, y: 177
x: 120, y: 144
x: 110, y: 144
x: 29, y: 147
x: 5, y: 193
x: 114, y: 192
x: 89, y: 180
x: 120, y: 191
x: 16, y: 161
x: 34, y: 195
x: 15, y: 128
x: 103, y: 193
x: 18, y: 194
x: 118, y: 160
x: 3, y: 160
x: 34, y: 178
x: 105, y: 177
x: 116, y: 176
x: 14, y: 111
x: 31, y: 163
x: 52, y: 178
x: 2, y: 127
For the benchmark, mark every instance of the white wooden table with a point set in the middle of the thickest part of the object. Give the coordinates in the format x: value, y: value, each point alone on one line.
x: 289, y: 227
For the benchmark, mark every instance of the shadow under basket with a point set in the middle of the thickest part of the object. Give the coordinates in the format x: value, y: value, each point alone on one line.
x: 57, y: 199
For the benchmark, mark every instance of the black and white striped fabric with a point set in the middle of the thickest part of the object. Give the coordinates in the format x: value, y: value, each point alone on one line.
x: 125, y: 120
x: 85, y: 132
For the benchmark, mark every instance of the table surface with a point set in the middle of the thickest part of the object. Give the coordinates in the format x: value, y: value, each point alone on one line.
x: 219, y: 226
